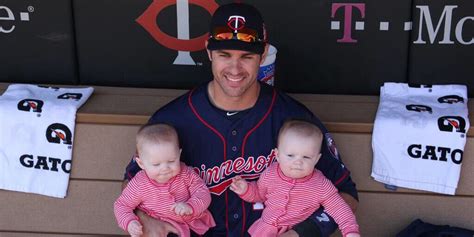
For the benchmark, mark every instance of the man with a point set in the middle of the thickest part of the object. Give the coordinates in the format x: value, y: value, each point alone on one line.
x: 229, y: 126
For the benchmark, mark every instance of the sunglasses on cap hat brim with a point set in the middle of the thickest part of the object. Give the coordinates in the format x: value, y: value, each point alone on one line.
x: 245, y: 35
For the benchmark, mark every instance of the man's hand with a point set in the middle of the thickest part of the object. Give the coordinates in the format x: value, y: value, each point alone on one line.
x: 134, y: 228
x: 351, y: 201
x: 290, y: 233
x: 181, y: 209
x: 239, y: 185
x: 155, y: 228
x: 353, y: 235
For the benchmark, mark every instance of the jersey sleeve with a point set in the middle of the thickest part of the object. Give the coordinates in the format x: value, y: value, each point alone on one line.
x: 331, y: 164
x: 132, y: 169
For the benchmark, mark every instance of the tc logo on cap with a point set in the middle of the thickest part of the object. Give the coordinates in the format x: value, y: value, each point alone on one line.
x: 57, y: 132
x: 30, y: 105
x: 452, y: 124
x: 66, y: 96
x: 236, y: 23
x: 419, y: 108
x: 451, y: 99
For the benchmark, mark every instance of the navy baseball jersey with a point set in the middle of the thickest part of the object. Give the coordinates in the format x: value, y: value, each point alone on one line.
x: 222, y: 144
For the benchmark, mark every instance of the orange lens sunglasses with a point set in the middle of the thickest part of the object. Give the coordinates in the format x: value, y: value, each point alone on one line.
x: 245, y: 35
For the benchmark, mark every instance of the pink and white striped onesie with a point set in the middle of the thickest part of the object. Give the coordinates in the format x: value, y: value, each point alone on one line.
x: 290, y: 201
x: 156, y: 200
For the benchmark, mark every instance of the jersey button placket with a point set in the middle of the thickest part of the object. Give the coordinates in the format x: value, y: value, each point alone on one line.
x: 233, y: 142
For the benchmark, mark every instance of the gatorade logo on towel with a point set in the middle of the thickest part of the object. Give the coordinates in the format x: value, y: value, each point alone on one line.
x: 419, y: 108
x: 74, y: 96
x: 57, y: 132
x: 30, y: 105
x: 451, y: 99
x: 452, y: 124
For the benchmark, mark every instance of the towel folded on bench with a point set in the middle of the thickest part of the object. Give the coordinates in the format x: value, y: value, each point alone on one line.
x: 36, y: 137
x: 419, y: 136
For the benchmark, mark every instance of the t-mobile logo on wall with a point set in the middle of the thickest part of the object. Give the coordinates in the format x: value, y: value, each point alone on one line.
x: 425, y: 23
x: 8, y: 18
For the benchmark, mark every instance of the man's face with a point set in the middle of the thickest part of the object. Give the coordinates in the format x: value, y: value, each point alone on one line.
x: 235, y: 71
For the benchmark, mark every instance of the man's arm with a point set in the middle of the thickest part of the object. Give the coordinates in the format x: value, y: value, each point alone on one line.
x: 310, y: 228
x: 151, y: 226
x: 350, y: 200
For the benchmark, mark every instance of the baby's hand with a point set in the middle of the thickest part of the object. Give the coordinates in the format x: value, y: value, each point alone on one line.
x: 181, y: 209
x: 239, y: 185
x: 134, y: 228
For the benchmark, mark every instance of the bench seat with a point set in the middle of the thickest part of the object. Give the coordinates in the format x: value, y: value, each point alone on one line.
x: 104, y: 141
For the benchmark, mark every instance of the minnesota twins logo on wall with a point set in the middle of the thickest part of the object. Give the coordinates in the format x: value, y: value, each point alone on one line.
x: 419, y: 108
x: 74, y: 96
x: 57, y: 132
x: 183, y: 44
x: 452, y: 124
x: 30, y: 105
x: 451, y: 99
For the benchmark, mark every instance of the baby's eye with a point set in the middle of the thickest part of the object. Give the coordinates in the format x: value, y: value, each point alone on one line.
x: 290, y: 155
x: 156, y: 164
x: 306, y: 157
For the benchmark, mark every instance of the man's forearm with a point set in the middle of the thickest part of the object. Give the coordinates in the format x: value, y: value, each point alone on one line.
x: 311, y: 226
x: 351, y: 201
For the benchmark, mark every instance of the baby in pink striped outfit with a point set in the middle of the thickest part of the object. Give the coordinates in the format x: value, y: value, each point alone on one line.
x: 165, y: 188
x: 292, y: 189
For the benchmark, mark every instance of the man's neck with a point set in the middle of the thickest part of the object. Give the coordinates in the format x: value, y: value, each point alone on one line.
x: 230, y: 103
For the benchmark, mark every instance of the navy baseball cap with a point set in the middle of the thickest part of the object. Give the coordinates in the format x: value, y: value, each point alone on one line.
x: 237, y: 26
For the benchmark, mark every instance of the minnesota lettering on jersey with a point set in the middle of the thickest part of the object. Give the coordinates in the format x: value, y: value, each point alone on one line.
x: 218, y: 178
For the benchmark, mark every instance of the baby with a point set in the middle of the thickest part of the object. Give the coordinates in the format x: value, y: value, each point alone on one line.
x: 165, y: 188
x: 292, y: 189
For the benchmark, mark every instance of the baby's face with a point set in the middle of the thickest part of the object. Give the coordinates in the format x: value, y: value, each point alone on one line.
x: 297, y: 156
x: 160, y: 161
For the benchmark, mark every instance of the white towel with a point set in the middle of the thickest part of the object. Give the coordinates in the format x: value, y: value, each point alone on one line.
x: 419, y: 136
x: 36, y: 137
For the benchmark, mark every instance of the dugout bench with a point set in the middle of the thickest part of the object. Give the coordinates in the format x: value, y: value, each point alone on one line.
x: 104, y: 141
